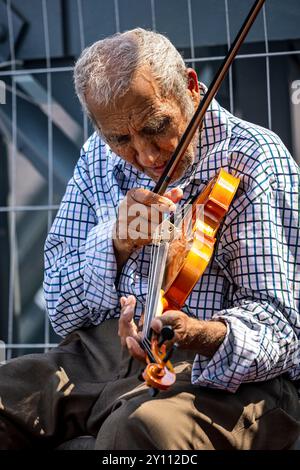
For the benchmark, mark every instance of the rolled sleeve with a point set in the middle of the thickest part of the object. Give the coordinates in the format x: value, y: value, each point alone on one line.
x: 226, y: 369
x: 254, y: 349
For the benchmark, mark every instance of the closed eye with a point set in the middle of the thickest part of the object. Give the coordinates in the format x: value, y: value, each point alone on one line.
x: 157, y: 128
x: 119, y: 139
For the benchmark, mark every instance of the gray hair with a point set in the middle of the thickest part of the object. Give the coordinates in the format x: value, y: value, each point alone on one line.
x: 106, y: 68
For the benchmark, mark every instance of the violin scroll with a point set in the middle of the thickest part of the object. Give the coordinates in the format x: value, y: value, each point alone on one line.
x: 160, y: 374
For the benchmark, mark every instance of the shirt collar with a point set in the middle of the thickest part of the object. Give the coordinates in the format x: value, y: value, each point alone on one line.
x: 212, y: 150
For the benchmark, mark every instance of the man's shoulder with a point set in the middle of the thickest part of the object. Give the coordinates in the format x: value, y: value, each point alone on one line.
x: 98, y: 156
x: 94, y: 146
x: 259, y: 156
x: 259, y: 138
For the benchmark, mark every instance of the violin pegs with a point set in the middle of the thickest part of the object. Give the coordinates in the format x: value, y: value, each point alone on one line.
x: 166, y: 334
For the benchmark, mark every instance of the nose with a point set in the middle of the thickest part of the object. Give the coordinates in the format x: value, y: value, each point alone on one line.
x: 147, y: 152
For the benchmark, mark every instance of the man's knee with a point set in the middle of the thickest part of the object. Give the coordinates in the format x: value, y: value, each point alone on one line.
x: 152, y: 424
x: 125, y: 428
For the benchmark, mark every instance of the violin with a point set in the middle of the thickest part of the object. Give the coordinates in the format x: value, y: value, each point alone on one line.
x: 191, y: 237
x: 172, y: 278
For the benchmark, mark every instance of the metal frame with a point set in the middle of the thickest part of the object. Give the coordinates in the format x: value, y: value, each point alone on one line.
x: 50, y: 208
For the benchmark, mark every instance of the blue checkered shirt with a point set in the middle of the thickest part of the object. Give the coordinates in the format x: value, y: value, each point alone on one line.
x: 252, y: 282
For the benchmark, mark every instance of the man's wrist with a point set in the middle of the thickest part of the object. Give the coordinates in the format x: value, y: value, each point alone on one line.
x: 207, y: 336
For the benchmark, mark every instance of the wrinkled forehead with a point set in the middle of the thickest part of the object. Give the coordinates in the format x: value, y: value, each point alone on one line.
x: 142, y: 101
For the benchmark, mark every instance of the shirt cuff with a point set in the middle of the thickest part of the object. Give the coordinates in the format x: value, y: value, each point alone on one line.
x: 101, y: 268
x: 231, y: 362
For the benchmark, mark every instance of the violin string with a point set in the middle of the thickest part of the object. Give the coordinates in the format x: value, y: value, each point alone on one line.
x: 158, y: 266
x: 150, y: 285
x: 153, y: 257
x: 152, y: 282
x: 158, y: 258
x: 150, y: 289
x: 152, y: 293
x: 148, y: 295
x: 159, y: 269
x: 146, y: 345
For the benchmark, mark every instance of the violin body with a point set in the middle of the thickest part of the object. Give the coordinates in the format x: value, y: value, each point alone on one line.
x: 214, y: 202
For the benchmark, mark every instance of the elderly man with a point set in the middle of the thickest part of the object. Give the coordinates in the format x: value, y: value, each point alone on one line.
x: 238, y: 351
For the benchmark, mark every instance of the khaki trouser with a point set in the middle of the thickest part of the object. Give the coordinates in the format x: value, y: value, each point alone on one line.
x: 89, y: 385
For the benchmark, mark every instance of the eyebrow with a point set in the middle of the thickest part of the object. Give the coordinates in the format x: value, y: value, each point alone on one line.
x: 149, y: 128
x: 153, y: 126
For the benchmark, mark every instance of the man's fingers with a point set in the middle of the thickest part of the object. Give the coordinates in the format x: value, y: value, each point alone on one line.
x: 140, y: 213
x: 148, y: 198
x: 127, y: 314
x: 141, y: 321
x: 135, y: 350
x: 128, y: 306
x: 156, y: 325
x: 175, y: 195
x: 128, y: 300
x: 126, y: 323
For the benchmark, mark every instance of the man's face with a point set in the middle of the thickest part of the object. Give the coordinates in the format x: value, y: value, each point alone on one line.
x: 144, y: 129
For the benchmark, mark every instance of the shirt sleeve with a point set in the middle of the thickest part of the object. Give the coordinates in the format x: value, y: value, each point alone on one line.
x: 80, y: 266
x: 259, y: 254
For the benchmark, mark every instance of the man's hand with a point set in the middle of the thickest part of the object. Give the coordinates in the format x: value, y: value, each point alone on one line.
x: 202, y: 336
x: 139, y: 215
x: 128, y: 330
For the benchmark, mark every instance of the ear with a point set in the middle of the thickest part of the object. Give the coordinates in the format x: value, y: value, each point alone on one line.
x: 193, y: 84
